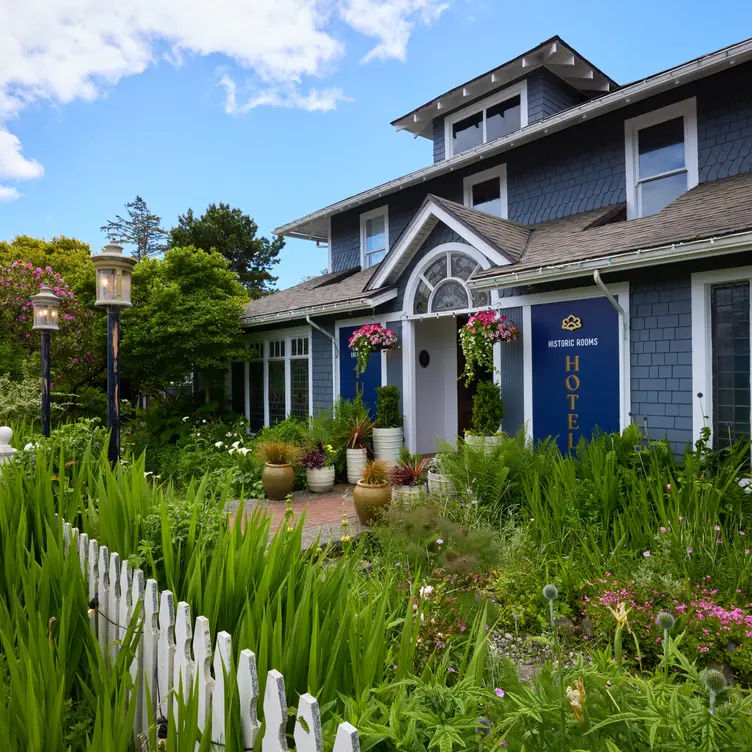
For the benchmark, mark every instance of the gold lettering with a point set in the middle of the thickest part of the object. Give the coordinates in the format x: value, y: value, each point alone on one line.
x: 572, y: 382
x: 572, y: 398
x: 572, y: 422
x: 574, y: 362
x: 571, y: 441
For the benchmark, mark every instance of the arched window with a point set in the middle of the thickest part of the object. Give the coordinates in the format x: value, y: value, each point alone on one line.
x: 442, y: 285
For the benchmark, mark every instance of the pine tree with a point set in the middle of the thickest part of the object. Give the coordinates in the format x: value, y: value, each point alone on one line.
x: 141, y: 229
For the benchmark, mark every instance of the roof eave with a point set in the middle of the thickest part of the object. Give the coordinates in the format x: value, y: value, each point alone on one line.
x: 705, y: 66
x: 622, y: 261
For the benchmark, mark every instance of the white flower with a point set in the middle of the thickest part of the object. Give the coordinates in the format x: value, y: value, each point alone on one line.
x: 228, y: 434
x: 187, y: 417
x: 244, y: 451
x: 204, y: 420
x: 219, y: 444
x: 425, y: 592
x: 232, y: 451
x: 148, y: 473
x: 235, y: 444
x: 28, y: 447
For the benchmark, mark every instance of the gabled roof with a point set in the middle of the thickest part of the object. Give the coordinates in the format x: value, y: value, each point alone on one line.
x: 499, y: 239
x: 559, y: 248
x: 335, y: 291
x: 555, y: 54
x: 315, y: 226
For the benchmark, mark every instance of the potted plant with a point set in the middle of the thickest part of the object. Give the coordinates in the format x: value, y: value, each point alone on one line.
x: 387, y: 431
x: 409, y: 477
x: 359, y: 432
x: 369, y: 339
x: 277, y: 477
x: 371, y: 494
x: 477, y: 339
x: 439, y: 482
x: 319, y: 465
x: 488, y: 412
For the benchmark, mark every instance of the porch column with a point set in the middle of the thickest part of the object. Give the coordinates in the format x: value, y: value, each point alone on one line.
x: 408, y: 375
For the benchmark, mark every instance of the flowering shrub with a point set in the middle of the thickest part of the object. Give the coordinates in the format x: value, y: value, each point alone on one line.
x: 18, y: 282
x: 368, y: 339
x: 712, y: 631
x: 477, y: 338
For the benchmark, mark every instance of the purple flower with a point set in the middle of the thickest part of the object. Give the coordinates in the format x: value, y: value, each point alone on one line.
x: 717, y: 528
x: 646, y: 554
x: 689, y: 549
x: 499, y: 692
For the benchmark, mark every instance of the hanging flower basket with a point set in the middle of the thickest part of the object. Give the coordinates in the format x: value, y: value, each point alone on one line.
x: 368, y: 339
x: 477, y: 338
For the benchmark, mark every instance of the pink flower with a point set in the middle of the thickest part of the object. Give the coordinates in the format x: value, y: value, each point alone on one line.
x: 741, y: 532
x: 717, y: 528
x: 663, y: 529
x: 719, y: 540
x: 689, y: 549
x: 646, y: 554
x: 668, y: 486
x: 499, y: 692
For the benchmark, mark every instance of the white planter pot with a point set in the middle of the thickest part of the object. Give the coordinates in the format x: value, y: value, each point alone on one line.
x: 440, y: 485
x: 487, y: 443
x: 320, y: 481
x: 387, y: 444
x: 356, y: 461
x: 408, y: 494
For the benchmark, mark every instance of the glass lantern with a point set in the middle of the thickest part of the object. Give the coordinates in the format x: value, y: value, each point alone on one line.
x: 45, y: 304
x: 113, y: 277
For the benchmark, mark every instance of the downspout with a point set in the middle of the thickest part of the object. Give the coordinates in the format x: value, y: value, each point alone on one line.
x: 625, y: 332
x: 324, y: 332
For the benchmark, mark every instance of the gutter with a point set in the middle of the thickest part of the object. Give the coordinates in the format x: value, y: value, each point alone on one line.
x: 302, y: 313
x: 324, y: 332
x: 689, y: 251
x: 611, y: 299
x: 681, y: 74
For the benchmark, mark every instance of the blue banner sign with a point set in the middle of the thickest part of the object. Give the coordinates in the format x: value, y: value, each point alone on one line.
x: 367, y: 382
x: 575, y: 370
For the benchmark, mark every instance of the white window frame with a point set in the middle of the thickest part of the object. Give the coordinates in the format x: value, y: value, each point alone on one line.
x: 519, y: 89
x: 702, y: 344
x: 686, y: 109
x: 379, y: 211
x: 286, y: 335
x: 500, y: 172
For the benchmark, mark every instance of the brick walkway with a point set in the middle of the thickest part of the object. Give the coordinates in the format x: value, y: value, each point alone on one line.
x: 323, y: 513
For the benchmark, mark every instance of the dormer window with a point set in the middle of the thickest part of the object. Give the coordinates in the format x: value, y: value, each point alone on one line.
x: 486, y: 191
x: 661, y: 157
x: 492, y: 118
x: 374, y: 236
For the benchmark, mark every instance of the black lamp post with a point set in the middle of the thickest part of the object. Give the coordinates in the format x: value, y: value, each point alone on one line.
x: 45, y: 304
x: 113, y: 293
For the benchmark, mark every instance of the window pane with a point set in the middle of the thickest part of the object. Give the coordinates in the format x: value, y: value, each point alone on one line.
x: 256, y: 379
x: 481, y: 298
x: 486, y: 196
x: 238, y: 388
x: 467, y: 133
x: 657, y: 194
x: 437, y: 271
x: 731, y: 369
x: 374, y: 258
x: 299, y: 389
x: 276, y: 391
x: 450, y: 296
x: 375, y: 235
x: 503, y: 118
x: 462, y: 266
x: 421, y: 299
x: 661, y: 148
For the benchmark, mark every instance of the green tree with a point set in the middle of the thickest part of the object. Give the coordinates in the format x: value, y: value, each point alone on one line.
x: 141, y: 229
x: 185, y: 316
x: 233, y: 234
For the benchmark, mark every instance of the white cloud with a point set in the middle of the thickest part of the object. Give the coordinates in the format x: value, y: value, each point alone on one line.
x: 8, y: 193
x: 63, y: 50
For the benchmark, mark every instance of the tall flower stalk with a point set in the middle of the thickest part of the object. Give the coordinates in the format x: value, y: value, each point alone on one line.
x: 551, y: 593
x: 666, y: 622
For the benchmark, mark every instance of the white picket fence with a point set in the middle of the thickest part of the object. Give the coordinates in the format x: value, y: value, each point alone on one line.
x: 164, y: 661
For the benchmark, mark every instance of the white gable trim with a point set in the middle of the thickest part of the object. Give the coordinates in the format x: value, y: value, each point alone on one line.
x: 403, y: 246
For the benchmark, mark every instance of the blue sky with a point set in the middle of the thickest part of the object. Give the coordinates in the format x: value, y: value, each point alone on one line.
x: 148, y: 123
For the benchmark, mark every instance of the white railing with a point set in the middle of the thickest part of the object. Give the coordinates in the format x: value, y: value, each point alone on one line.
x: 163, y: 659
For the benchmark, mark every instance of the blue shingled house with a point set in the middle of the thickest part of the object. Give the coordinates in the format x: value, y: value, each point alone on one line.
x: 611, y: 222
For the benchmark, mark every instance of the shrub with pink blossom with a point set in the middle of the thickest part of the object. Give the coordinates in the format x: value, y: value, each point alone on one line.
x: 477, y: 338
x: 369, y: 339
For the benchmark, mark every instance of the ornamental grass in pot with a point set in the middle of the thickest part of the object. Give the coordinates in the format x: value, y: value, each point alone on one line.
x: 488, y: 412
x: 408, y: 478
x: 277, y: 477
x: 371, y: 495
x: 319, y: 465
x: 387, y: 429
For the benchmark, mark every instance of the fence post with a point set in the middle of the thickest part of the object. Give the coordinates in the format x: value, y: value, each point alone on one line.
x: 183, y: 671
x: 202, y: 652
x: 275, y: 713
x: 310, y: 739
x: 248, y: 690
x: 150, y: 638
x: 103, y: 596
x: 166, y: 658
x: 222, y: 668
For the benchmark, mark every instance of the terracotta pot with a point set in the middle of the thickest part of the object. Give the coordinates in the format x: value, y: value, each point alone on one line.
x: 370, y: 500
x: 278, y: 481
x: 320, y: 480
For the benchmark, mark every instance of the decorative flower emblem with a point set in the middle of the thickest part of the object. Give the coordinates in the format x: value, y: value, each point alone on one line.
x: 571, y: 322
